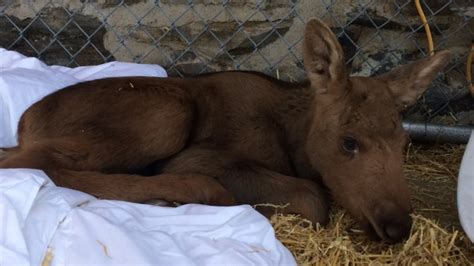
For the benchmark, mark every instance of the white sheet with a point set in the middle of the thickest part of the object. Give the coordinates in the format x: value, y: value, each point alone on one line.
x: 81, y: 230
x: 465, y: 191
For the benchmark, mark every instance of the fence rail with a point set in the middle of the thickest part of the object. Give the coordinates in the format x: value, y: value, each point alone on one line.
x: 190, y: 37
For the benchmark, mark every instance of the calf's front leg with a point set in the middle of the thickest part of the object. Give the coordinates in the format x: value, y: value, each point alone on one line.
x: 183, y: 188
x: 253, y: 184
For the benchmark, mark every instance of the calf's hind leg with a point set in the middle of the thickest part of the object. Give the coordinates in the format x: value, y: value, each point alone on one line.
x: 117, y: 136
x: 121, y: 150
x: 254, y: 184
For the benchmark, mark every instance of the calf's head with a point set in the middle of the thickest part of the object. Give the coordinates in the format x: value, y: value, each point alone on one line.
x: 356, y: 140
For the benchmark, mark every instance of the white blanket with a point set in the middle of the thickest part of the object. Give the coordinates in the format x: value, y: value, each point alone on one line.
x: 38, y: 218
x: 465, y: 191
x: 41, y: 222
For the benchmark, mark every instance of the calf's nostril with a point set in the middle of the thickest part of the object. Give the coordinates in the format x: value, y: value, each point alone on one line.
x: 396, y: 232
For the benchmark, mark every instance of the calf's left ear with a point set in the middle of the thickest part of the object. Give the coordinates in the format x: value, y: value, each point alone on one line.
x: 323, y: 57
x: 408, y: 82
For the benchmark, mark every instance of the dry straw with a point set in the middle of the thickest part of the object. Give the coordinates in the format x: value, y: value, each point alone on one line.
x: 436, y: 238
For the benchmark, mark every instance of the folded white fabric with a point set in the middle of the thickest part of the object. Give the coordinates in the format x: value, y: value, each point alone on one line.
x: 25, y: 80
x: 39, y: 220
x: 78, y: 229
x: 465, y: 191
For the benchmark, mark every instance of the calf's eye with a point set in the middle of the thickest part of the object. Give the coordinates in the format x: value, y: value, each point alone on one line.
x: 350, y: 145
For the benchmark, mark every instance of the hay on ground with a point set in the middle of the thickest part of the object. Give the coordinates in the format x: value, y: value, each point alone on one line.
x: 436, y: 237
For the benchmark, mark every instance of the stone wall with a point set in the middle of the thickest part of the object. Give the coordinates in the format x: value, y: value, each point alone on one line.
x: 265, y: 35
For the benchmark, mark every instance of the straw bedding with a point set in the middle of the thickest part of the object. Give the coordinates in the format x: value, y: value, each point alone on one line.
x: 436, y: 237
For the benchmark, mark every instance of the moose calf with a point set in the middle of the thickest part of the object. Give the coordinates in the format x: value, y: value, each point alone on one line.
x: 238, y: 137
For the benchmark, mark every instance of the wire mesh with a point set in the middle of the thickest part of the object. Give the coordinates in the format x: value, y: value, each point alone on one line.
x: 192, y: 37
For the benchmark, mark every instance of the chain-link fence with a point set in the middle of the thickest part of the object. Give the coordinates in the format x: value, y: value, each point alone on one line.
x: 191, y: 37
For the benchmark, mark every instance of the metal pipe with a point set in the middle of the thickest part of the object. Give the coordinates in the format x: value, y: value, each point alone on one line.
x: 425, y: 132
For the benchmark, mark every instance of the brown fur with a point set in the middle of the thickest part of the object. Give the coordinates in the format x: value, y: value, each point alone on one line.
x: 237, y: 137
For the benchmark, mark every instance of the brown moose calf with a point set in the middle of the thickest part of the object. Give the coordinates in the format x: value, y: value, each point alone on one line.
x: 237, y: 137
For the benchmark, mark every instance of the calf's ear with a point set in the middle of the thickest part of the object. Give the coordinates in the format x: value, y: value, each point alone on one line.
x: 408, y: 82
x: 323, y: 56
